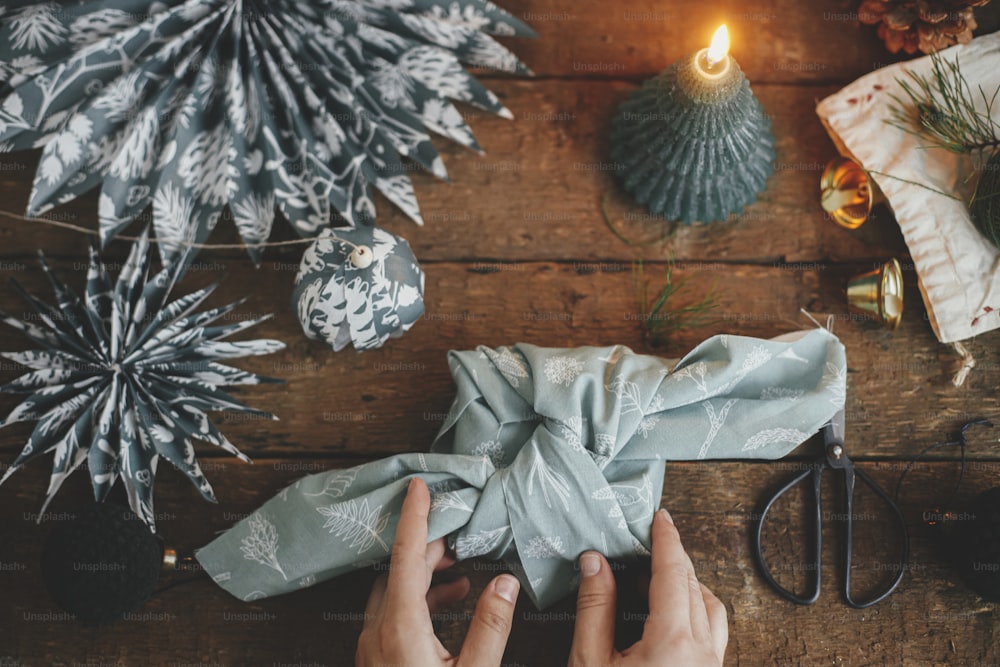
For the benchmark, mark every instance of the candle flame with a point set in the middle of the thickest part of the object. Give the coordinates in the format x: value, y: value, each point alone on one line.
x: 720, y: 46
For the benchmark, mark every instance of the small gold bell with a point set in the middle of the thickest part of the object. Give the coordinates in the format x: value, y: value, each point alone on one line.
x: 879, y: 292
x: 846, y: 192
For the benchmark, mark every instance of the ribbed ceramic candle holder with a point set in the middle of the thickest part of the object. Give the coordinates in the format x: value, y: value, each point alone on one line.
x: 692, y: 144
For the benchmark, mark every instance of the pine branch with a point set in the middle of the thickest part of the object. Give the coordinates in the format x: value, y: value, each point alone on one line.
x: 660, y: 317
x: 941, y: 109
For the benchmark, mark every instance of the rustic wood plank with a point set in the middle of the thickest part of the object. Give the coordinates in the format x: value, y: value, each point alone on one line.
x: 788, y: 42
x: 538, y: 192
x: 932, y: 619
x: 394, y: 399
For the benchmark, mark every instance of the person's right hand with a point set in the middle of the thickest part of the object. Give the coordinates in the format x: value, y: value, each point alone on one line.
x: 686, y: 626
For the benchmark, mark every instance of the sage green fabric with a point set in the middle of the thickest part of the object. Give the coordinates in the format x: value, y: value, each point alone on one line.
x: 545, y: 453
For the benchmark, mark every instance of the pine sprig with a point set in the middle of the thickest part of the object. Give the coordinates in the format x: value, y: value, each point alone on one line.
x: 942, y: 110
x: 660, y: 317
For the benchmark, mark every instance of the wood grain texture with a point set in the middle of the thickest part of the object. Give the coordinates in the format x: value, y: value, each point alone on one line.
x: 932, y: 620
x: 516, y: 248
x: 538, y: 193
x: 900, y: 398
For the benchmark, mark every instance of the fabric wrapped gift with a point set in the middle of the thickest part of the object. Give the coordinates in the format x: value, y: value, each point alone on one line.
x: 958, y: 268
x: 545, y: 453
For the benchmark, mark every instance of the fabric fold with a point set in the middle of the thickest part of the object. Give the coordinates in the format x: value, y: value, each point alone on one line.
x: 546, y: 453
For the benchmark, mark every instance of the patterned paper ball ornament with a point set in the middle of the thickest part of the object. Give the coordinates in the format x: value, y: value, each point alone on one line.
x: 189, y: 106
x: 359, y: 286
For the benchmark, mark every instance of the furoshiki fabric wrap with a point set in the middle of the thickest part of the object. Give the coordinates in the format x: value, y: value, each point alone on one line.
x: 545, y: 453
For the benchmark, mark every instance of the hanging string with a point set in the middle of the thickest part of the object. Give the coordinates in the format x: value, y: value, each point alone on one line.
x: 179, y: 243
x: 961, y: 443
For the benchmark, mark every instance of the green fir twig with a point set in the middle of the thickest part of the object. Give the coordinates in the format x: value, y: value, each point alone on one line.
x: 942, y: 110
x: 661, y: 318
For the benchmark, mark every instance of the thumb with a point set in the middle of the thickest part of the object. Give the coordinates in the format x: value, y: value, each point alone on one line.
x: 594, y: 634
x: 490, y: 627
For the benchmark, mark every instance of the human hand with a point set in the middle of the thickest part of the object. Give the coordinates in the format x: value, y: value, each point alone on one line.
x: 686, y: 626
x: 398, y: 629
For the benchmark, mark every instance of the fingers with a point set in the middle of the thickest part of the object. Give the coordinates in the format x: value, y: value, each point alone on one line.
x: 437, y: 557
x: 442, y: 595
x: 717, y: 621
x: 490, y: 627
x: 409, y: 577
x: 678, y: 602
x: 670, y: 588
x: 594, y: 632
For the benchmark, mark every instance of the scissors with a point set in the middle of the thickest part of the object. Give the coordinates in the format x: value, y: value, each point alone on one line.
x: 834, y: 458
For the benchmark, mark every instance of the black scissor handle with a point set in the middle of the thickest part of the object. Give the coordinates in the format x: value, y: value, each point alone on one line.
x: 904, y: 537
x: 816, y: 472
x: 841, y: 462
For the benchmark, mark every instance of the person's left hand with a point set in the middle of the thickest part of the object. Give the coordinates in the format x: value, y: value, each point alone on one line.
x: 398, y: 629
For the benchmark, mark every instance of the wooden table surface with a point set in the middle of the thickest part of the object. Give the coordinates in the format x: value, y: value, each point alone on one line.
x: 516, y: 248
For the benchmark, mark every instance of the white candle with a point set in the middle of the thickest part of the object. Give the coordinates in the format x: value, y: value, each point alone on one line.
x: 713, y: 62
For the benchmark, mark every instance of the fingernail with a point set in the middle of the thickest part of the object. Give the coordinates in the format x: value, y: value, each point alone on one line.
x: 590, y: 564
x: 666, y: 515
x: 507, y: 587
x: 409, y: 487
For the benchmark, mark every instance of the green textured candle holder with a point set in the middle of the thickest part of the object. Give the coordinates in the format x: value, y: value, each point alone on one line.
x: 693, y: 144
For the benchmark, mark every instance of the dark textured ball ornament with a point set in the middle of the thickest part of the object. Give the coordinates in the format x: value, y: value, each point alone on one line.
x: 691, y: 148
x: 976, y: 547
x: 985, y: 206
x: 102, y: 564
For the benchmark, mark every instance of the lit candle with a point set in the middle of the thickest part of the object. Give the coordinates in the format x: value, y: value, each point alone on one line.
x: 693, y: 144
x: 713, y: 62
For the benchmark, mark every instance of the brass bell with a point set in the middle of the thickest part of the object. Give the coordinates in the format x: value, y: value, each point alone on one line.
x: 847, y: 194
x: 879, y: 292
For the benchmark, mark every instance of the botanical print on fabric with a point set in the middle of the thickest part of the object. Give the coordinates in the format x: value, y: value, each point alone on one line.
x: 584, y: 456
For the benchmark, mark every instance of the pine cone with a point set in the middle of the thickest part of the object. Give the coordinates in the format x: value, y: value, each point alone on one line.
x: 927, y: 25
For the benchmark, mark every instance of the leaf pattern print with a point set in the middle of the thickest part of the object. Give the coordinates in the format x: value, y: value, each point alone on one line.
x: 781, y: 394
x: 509, y: 365
x: 477, y: 544
x: 363, y: 306
x: 604, y: 444
x: 544, y: 546
x: 354, y: 522
x: 337, y: 483
x: 449, y: 500
x: 261, y: 545
x: 562, y: 370
x: 636, y: 500
x: 774, y: 436
x: 652, y: 418
x: 306, y: 106
x: 628, y: 392
x: 716, y: 420
x: 696, y: 373
x: 36, y: 27
x: 493, y: 451
x: 548, y: 480
x: 572, y: 432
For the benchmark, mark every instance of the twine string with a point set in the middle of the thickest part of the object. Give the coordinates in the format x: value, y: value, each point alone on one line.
x: 167, y: 241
